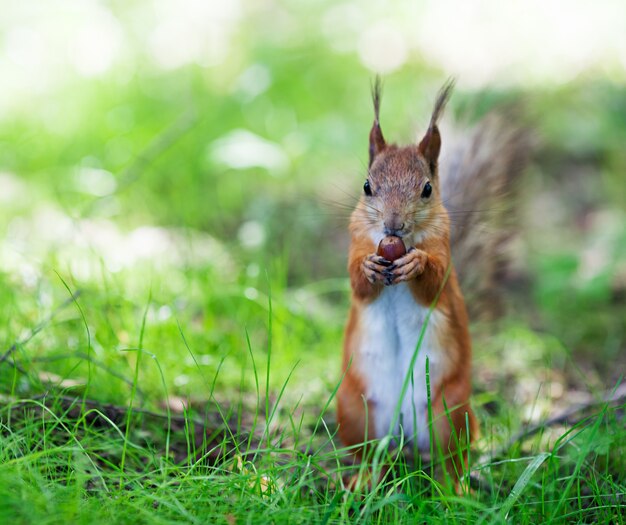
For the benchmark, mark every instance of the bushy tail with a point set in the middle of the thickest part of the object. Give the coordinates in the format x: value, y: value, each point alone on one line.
x: 479, y: 176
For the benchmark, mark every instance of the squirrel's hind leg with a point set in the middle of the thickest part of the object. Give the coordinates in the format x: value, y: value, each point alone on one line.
x: 455, y: 429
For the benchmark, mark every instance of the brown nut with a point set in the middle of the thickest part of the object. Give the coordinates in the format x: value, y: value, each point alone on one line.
x: 391, y: 248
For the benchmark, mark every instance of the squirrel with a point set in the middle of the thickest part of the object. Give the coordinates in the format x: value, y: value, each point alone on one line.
x: 408, y: 325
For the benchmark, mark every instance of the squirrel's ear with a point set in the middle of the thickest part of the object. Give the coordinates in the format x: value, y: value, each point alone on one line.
x: 377, y: 141
x: 430, y: 145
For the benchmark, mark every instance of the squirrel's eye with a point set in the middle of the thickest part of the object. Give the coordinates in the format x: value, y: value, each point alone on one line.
x: 426, y: 192
x: 367, y: 188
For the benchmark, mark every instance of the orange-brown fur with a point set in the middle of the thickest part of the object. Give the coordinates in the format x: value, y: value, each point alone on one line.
x: 397, y: 175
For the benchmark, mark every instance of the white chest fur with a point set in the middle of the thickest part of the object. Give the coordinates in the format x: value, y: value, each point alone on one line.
x: 392, y: 326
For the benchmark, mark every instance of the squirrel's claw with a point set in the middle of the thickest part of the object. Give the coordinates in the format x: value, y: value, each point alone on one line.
x: 409, y: 266
x: 376, y: 268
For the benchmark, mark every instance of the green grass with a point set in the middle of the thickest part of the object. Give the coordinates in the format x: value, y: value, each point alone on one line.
x: 265, y: 453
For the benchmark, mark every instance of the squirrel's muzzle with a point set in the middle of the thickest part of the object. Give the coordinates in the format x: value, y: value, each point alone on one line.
x: 394, y: 225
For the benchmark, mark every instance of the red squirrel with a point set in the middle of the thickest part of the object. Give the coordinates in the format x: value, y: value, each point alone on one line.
x: 413, y: 301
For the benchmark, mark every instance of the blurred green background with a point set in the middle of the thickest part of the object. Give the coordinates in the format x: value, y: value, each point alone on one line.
x: 195, y: 158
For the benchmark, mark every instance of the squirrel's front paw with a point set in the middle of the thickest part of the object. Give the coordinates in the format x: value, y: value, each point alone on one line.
x: 409, y: 266
x: 376, y: 269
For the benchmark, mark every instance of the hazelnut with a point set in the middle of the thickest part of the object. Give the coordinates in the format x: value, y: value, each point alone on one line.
x: 391, y: 248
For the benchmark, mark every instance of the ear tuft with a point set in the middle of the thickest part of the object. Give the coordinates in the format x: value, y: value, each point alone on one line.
x: 377, y: 141
x: 430, y: 145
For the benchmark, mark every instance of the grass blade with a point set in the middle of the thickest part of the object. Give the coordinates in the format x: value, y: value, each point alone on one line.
x: 522, y: 483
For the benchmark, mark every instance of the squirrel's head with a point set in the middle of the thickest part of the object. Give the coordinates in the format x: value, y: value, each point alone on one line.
x: 401, y: 193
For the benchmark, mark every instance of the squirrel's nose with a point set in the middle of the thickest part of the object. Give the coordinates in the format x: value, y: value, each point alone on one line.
x: 393, y: 226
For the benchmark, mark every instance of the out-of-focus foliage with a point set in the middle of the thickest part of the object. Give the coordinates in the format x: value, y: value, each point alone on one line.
x: 211, y: 153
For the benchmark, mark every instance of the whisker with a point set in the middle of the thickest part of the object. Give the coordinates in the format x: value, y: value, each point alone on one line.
x: 350, y: 207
